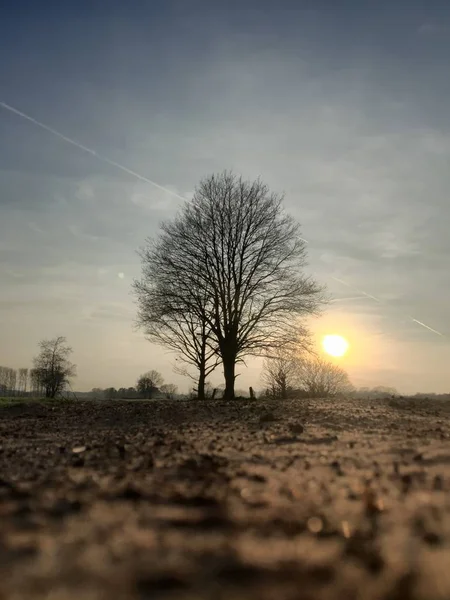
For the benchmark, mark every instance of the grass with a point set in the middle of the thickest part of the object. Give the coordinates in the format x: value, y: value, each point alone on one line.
x: 13, y: 400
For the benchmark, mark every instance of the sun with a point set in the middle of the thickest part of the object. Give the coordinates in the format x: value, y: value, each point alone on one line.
x: 335, y: 345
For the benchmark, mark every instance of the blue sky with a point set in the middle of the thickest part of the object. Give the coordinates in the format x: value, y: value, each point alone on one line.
x: 343, y: 106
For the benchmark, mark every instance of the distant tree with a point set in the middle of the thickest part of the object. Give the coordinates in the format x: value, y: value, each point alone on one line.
x: 234, y: 258
x: 110, y: 393
x: 382, y: 390
x: 52, y: 367
x: 23, y: 380
x: 281, y: 373
x: 12, y: 381
x: 169, y: 390
x: 376, y: 392
x: 7, y: 380
x: 149, y: 383
x: 319, y: 378
x: 36, y: 388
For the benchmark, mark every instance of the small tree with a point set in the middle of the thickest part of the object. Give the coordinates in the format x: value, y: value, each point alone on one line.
x: 23, y: 380
x: 8, y: 380
x: 52, y: 367
x: 149, y: 383
x: 12, y: 381
x: 110, y: 393
x: 280, y: 374
x: 169, y: 390
x: 319, y: 378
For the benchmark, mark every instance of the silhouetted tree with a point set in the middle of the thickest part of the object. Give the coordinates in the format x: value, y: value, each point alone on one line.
x: 23, y: 380
x: 110, y: 393
x: 35, y: 383
x: 176, y: 321
x: 169, y: 390
x: 52, y: 367
x: 319, y: 378
x: 233, y: 258
x: 8, y: 380
x: 149, y: 383
x: 281, y: 373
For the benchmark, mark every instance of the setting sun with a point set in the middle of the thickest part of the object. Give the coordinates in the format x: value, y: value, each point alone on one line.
x: 335, y: 345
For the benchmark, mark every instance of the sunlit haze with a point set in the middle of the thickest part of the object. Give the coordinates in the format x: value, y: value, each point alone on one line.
x: 335, y: 345
x: 344, y: 108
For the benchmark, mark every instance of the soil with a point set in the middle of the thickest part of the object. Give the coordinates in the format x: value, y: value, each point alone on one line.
x: 243, y: 500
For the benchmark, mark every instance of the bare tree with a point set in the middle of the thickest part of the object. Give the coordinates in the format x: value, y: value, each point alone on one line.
x: 52, y: 368
x: 8, y: 381
x: 149, y: 383
x: 36, y: 385
x: 319, y: 378
x: 281, y: 373
x: 23, y: 381
x: 110, y: 393
x: 3, y: 380
x: 234, y: 252
x: 173, y: 319
x: 169, y: 390
x: 12, y: 381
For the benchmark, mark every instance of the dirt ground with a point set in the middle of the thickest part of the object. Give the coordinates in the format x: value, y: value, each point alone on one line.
x: 245, y: 500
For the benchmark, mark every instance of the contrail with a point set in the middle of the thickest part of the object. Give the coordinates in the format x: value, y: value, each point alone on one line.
x: 356, y: 290
x: 347, y: 299
x: 125, y: 169
x: 381, y: 302
x: 104, y: 159
x: 426, y: 326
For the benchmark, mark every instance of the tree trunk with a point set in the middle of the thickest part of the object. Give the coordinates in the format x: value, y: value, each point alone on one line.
x: 201, y: 385
x: 229, y: 363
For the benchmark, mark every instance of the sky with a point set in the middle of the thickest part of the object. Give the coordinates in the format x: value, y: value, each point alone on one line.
x: 341, y: 106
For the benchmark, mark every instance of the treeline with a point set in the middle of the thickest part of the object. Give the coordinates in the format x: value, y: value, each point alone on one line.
x: 431, y: 396
x: 149, y: 385
x: 379, y: 391
x: 20, y: 382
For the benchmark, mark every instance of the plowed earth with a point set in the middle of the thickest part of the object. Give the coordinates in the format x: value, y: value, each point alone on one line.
x: 310, y: 500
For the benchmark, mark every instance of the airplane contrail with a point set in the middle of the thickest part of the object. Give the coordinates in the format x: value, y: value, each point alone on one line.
x: 426, y: 326
x: 125, y: 169
x: 356, y: 290
x: 381, y: 302
x: 347, y: 299
x: 104, y: 159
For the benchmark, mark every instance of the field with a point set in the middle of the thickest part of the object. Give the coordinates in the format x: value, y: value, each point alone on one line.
x: 293, y: 500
